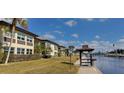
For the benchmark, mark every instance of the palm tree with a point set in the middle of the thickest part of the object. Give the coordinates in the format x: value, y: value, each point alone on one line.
x: 1, y: 52
x: 13, y: 26
x: 23, y: 23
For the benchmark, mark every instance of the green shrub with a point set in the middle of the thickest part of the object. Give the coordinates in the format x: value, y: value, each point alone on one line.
x: 1, y: 56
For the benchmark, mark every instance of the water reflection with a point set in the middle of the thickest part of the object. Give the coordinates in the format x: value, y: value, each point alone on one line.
x: 110, y: 65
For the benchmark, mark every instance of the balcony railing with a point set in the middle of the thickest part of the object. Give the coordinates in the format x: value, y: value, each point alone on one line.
x: 21, y: 42
x: 6, y: 39
x: 29, y: 44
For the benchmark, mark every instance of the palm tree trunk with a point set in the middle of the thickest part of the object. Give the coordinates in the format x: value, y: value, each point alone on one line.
x: 13, y: 26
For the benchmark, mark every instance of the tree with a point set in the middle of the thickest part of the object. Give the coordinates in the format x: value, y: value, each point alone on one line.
x: 21, y: 22
x: 42, y: 49
x: 12, y: 29
x: 47, y: 50
x: 71, y: 49
x: 39, y: 48
x: 1, y: 52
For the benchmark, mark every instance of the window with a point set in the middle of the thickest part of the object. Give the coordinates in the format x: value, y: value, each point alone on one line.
x: 5, y: 39
x: 8, y: 34
x: 23, y: 51
x: 20, y: 51
x: 29, y: 51
x: 29, y: 39
x: 55, y: 53
x: 21, y: 37
x: 55, y: 47
x: 7, y: 48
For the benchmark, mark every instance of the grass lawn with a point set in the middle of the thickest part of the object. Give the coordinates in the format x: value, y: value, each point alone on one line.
x: 53, y: 65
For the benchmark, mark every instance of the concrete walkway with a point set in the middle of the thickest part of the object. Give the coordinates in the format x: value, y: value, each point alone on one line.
x: 87, y: 69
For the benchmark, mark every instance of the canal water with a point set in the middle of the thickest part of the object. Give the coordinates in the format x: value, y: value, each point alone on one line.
x: 110, y: 65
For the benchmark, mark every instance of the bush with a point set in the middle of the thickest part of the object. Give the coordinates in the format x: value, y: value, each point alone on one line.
x: 46, y: 56
x: 1, y: 56
x: 18, y: 58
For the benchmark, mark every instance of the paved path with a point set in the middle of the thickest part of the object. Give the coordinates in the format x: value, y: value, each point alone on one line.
x: 87, y: 69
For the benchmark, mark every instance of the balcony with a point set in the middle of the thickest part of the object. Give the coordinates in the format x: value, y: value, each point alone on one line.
x: 21, y: 42
x: 29, y: 44
x: 6, y: 39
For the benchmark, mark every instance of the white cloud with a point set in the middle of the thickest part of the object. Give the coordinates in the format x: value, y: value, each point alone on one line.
x: 97, y: 37
x: 100, y: 45
x: 120, y: 43
x: 92, y: 19
x: 88, y: 19
x: 48, y: 36
x: 121, y: 40
x: 71, y: 23
x: 58, y: 31
x: 68, y: 42
x: 62, y: 42
x: 103, y: 19
x: 75, y: 35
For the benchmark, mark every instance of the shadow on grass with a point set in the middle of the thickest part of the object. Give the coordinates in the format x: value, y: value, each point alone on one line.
x: 67, y: 63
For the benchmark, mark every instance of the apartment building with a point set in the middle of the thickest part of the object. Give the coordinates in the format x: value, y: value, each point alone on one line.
x: 52, y: 47
x: 62, y: 50
x: 23, y: 40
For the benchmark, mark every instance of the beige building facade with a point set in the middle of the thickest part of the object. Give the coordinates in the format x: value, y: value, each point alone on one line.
x: 23, y: 40
x: 52, y: 46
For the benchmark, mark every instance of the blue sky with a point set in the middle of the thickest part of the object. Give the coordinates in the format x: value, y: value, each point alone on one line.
x: 99, y: 33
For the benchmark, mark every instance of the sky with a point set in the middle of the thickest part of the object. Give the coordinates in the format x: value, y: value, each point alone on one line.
x: 99, y: 33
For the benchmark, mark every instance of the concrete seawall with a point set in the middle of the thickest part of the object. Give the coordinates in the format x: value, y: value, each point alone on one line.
x: 87, y: 69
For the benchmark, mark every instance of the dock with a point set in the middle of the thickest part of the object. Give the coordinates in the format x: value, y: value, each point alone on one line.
x: 87, y: 69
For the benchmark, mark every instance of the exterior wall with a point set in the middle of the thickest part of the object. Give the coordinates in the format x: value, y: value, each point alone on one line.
x: 62, y: 51
x: 24, y: 44
x: 54, y: 48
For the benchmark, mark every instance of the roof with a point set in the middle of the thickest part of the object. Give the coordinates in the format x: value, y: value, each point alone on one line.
x: 46, y: 40
x: 85, y: 48
x: 62, y: 46
x: 38, y: 38
x: 51, y: 42
x: 88, y: 49
x: 19, y: 29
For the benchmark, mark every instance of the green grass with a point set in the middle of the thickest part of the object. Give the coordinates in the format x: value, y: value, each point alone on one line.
x: 43, y: 66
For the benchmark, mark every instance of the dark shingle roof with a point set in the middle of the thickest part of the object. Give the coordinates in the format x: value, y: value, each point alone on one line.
x: 46, y: 40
